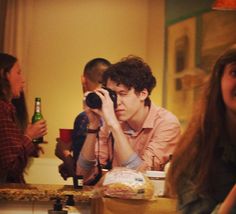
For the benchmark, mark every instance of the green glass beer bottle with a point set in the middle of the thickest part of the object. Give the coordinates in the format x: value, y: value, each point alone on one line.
x: 37, y: 116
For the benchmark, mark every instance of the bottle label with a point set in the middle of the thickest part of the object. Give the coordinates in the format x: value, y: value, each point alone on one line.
x: 80, y: 182
x: 37, y: 109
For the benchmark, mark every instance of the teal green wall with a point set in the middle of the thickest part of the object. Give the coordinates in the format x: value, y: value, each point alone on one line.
x: 177, y: 10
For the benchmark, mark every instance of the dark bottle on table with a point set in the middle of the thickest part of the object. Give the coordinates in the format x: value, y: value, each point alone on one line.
x: 37, y: 116
x: 78, y: 181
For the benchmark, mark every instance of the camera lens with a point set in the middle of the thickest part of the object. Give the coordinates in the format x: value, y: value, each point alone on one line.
x: 93, y: 100
x: 113, y: 97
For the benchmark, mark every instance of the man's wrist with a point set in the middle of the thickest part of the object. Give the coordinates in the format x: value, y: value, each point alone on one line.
x: 94, y: 125
x: 85, y: 163
x: 93, y: 128
x: 93, y: 131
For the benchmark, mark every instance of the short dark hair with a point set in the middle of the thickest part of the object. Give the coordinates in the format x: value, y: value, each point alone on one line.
x: 131, y: 71
x: 92, y: 71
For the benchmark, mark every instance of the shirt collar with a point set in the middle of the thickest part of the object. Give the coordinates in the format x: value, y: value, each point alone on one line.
x: 148, y: 123
x: 150, y: 119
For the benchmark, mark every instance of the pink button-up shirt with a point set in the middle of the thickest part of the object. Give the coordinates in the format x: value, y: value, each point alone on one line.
x: 153, y: 143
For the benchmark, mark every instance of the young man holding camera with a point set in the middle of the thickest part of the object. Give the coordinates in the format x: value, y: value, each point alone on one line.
x: 135, y: 133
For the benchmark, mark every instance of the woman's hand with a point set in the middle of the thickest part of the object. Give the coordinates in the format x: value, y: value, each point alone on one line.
x: 36, y: 130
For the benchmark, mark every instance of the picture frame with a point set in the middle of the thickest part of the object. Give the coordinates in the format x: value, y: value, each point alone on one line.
x: 180, y: 68
x: 193, y: 46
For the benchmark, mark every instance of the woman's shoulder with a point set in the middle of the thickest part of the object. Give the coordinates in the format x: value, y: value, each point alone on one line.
x: 5, y: 107
x: 189, y: 201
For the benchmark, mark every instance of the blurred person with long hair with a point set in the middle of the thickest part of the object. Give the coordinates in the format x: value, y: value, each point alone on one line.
x: 16, y: 134
x: 203, y: 167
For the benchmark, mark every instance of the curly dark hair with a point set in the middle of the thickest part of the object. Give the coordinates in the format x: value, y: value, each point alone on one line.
x: 132, y: 72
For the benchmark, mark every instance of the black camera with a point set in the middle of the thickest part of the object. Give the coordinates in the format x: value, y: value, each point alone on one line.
x: 93, y: 100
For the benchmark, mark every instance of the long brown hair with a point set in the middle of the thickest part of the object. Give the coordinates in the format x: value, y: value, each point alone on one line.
x: 22, y: 117
x: 194, y: 156
x: 6, y: 63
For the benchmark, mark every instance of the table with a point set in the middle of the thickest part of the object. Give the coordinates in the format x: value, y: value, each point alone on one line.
x: 37, y: 199
x: 122, y: 206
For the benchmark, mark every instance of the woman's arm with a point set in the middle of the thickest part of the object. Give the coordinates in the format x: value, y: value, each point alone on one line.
x: 15, y: 148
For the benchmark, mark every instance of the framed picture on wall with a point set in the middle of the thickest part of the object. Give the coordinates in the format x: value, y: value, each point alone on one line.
x: 180, y: 70
x: 188, y: 64
x: 218, y: 32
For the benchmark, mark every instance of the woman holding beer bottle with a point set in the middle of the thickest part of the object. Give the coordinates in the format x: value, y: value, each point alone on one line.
x: 16, y: 144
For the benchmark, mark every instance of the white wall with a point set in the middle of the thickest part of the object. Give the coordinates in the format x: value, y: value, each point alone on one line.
x: 66, y: 34
x: 45, y: 171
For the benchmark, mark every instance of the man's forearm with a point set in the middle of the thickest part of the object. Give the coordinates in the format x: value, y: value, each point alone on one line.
x: 88, y: 149
x: 122, y: 146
